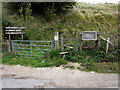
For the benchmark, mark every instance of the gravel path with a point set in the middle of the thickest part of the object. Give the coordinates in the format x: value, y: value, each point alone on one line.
x: 60, y: 77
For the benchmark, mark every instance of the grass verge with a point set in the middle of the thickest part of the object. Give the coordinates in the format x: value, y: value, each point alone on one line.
x: 31, y: 61
x: 91, y: 60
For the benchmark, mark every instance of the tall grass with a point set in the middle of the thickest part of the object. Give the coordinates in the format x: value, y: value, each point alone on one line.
x: 85, y: 17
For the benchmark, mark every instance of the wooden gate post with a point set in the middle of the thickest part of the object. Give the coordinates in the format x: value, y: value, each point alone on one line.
x: 22, y: 36
x: 62, y: 43
x: 56, y: 40
x: 81, y: 41
x: 77, y: 41
x: 98, y: 39
x: 9, y: 45
x: 108, y: 39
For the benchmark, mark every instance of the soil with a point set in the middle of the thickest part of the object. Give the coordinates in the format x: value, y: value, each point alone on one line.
x: 59, y: 77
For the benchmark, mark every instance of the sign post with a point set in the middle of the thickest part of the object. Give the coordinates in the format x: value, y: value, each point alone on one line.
x: 108, y: 39
x: 14, y: 31
x: 56, y: 40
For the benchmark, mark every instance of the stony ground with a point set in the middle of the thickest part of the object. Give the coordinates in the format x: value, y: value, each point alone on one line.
x: 57, y: 77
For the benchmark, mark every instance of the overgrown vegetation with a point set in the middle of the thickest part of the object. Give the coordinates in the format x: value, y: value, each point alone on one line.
x: 32, y: 61
x: 91, y: 60
x: 82, y: 16
x: 85, y: 17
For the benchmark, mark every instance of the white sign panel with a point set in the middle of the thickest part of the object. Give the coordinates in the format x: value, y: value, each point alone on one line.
x: 56, y: 38
x: 89, y: 35
x: 15, y: 30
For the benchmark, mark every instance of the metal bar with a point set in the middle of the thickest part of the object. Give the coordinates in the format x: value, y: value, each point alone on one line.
x: 19, y: 51
x: 69, y: 39
x: 22, y: 49
x: 22, y: 54
x: 42, y: 41
x: 33, y: 55
x: 23, y: 44
x: 52, y: 44
x: 30, y: 40
x: 37, y: 48
x: 36, y: 45
x: 31, y: 48
x: 44, y: 45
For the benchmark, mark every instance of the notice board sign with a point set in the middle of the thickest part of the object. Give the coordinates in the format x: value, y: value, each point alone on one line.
x: 89, y: 35
x: 15, y: 30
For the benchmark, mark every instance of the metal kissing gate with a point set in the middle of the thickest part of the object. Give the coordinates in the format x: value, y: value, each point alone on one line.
x: 31, y: 48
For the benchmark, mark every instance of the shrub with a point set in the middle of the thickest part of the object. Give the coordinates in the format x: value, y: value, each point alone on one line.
x: 54, y: 53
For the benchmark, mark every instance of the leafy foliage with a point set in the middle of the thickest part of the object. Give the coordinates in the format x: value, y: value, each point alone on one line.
x: 41, y: 23
x: 48, y: 9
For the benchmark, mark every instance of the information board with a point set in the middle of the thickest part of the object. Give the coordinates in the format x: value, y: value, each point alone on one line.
x: 89, y: 35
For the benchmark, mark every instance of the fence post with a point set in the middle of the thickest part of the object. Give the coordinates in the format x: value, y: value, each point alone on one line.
x: 61, y: 43
x: 81, y: 41
x: 77, y: 41
x: 98, y: 39
x: 11, y: 46
x: 22, y: 36
x: 108, y: 39
x: 56, y: 40
x: 53, y: 44
x: 31, y: 48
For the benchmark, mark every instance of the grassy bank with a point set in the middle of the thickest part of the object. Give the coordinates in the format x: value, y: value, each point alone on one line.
x: 84, y: 17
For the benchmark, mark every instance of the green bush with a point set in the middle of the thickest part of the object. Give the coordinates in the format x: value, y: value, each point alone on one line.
x: 54, y: 53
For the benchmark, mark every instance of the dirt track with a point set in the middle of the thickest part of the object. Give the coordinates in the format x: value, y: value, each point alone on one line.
x: 60, y: 77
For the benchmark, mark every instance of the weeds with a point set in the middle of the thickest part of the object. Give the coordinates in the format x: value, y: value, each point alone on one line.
x: 32, y: 61
x: 85, y: 17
